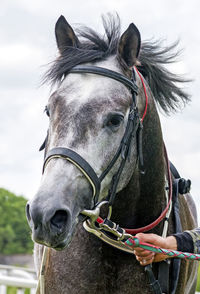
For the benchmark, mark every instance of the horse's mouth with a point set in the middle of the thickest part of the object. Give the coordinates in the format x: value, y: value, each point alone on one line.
x: 56, y: 242
x: 64, y: 243
x: 67, y: 240
x: 60, y: 246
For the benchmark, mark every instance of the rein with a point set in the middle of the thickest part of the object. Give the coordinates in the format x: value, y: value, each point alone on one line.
x: 134, y: 242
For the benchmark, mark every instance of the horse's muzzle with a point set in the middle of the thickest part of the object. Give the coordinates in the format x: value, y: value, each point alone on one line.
x: 49, y: 226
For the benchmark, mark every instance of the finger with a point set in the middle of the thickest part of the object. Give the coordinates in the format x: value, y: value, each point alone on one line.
x: 145, y: 261
x: 138, y: 249
x: 143, y: 253
x: 148, y: 257
x: 160, y: 257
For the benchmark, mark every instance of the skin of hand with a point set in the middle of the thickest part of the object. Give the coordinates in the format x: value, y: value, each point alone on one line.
x: 146, y: 257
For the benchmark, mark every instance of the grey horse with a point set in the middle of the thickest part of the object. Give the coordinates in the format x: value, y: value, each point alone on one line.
x: 88, y: 114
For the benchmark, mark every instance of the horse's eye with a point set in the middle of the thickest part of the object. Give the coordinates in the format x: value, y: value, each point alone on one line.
x: 114, y: 120
x: 46, y: 110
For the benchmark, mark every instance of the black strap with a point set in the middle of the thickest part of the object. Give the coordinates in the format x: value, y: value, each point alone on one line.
x: 183, y: 184
x: 163, y: 275
x: 68, y: 153
x: 114, y: 183
x: 45, y: 142
x: 106, y: 73
x: 152, y: 280
x: 164, y: 266
x: 163, y: 271
x: 174, y: 171
x: 140, y: 149
x: 131, y: 130
x: 176, y: 263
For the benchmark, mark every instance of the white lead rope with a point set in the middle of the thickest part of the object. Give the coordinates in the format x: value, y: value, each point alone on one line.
x: 41, y: 285
x: 166, y: 223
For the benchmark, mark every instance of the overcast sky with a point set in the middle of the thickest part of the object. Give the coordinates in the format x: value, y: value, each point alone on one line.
x: 27, y: 44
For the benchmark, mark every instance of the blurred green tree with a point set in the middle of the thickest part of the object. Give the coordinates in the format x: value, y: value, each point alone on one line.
x: 15, y: 234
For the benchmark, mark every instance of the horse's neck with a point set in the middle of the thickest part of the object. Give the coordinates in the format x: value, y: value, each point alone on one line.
x: 137, y: 205
x: 144, y: 198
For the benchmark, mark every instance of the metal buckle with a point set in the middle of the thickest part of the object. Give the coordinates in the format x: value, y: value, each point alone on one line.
x: 105, y: 238
x: 107, y: 226
x: 113, y: 230
x: 93, y: 214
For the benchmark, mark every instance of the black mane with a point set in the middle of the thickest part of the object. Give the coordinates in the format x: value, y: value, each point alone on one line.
x: 94, y: 47
x: 163, y: 83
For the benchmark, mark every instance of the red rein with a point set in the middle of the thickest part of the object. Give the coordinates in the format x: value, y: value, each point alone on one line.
x: 145, y: 93
x: 163, y: 214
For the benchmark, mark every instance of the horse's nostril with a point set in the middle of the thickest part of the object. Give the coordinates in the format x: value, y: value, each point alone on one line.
x: 28, y: 212
x: 59, y: 219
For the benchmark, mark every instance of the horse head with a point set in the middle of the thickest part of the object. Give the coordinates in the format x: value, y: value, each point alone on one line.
x: 88, y: 114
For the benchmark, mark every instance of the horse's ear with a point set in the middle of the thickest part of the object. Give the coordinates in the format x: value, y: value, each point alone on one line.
x: 129, y: 45
x: 65, y: 35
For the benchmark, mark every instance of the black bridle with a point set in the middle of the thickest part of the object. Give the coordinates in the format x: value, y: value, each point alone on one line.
x: 109, y: 231
x: 133, y: 128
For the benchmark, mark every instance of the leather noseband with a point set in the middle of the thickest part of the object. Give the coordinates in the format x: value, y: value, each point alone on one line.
x: 79, y: 162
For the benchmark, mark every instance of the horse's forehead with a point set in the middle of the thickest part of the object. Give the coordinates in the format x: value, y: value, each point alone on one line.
x: 80, y: 91
x: 82, y: 103
x: 84, y: 88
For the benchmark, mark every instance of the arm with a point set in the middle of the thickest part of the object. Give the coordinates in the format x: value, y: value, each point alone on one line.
x: 188, y: 241
x: 195, y: 240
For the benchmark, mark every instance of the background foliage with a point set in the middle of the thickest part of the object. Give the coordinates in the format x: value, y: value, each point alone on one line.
x: 15, y: 235
x: 198, y: 280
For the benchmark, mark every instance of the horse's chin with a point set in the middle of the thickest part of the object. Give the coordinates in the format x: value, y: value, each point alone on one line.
x: 63, y: 242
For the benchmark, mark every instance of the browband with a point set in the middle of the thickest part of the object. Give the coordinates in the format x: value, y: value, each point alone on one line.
x: 106, y: 73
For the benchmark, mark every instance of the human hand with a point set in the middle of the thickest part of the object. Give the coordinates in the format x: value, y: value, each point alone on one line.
x: 146, y: 257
